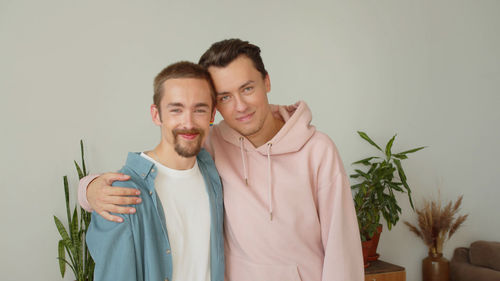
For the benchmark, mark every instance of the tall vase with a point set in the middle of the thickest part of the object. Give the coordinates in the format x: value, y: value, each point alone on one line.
x: 435, y: 268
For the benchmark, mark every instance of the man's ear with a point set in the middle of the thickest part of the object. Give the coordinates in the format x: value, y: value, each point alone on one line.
x: 212, y: 119
x: 267, y: 83
x: 155, y: 115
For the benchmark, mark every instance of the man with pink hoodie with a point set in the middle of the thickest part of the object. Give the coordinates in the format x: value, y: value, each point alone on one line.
x: 289, y: 213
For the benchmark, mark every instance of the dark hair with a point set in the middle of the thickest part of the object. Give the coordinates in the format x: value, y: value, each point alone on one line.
x: 222, y: 53
x: 182, y: 69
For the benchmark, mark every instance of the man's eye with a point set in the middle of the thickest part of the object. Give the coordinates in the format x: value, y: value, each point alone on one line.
x: 177, y: 110
x: 200, y: 111
x: 224, y: 98
x: 248, y: 89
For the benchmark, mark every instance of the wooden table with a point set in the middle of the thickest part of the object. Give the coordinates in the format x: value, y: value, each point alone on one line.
x: 384, y: 271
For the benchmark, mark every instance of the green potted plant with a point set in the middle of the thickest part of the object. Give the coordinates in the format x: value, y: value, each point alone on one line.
x: 72, y: 240
x: 379, y: 180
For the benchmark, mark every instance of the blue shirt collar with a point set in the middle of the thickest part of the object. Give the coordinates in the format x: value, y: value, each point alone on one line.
x: 142, y: 166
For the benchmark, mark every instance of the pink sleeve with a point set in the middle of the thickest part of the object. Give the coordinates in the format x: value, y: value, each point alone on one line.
x: 82, y: 191
x: 339, y: 226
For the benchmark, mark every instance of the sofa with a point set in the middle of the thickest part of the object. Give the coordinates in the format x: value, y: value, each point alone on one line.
x: 479, y: 262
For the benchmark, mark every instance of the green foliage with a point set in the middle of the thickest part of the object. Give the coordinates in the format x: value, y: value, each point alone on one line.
x: 72, y: 240
x: 381, y: 177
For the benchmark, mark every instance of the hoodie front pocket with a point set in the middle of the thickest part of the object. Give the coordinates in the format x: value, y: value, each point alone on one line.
x: 239, y: 269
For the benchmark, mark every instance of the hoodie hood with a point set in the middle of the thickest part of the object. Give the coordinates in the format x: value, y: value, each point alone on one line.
x: 294, y: 134
x: 296, y: 131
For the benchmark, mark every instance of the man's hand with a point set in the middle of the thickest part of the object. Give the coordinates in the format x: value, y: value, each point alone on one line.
x: 106, y: 199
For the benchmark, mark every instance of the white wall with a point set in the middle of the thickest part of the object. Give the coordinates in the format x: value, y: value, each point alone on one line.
x: 427, y: 70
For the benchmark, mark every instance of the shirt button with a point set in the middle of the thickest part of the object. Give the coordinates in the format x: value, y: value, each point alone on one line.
x: 143, y: 175
x: 151, y: 193
x: 153, y: 170
x: 168, y: 251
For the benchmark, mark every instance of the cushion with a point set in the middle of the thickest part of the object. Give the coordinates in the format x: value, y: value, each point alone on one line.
x: 485, y: 253
x: 462, y: 270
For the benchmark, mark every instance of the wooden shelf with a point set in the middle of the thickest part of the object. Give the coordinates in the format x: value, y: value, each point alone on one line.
x: 384, y: 271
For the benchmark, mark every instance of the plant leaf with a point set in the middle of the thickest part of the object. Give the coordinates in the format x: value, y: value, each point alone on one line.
x: 356, y: 186
x: 64, y: 235
x: 413, y: 150
x: 388, y: 147
x: 365, y: 161
x: 367, y: 138
x: 66, y: 195
x: 79, y: 171
x: 83, y: 159
x: 61, y: 257
x: 66, y: 262
x: 363, y: 174
x: 401, y: 172
x: 400, y: 156
x: 75, y: 233
x: 402, y: 177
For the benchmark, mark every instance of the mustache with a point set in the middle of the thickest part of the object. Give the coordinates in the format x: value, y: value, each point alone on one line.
x: 177, y: 132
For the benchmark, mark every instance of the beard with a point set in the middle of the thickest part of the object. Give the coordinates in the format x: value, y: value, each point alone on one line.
x: 186, y: 148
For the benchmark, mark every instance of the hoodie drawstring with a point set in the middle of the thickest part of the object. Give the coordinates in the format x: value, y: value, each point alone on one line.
x: 244, y: 161
x: 269, y: 175
x: 270, y: 180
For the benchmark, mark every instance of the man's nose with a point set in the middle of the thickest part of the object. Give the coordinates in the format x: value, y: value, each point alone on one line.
x: 188, y: 120
x: 241, y: 105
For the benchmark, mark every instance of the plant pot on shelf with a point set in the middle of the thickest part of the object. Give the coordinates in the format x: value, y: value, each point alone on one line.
x: 365, y: 245
x: 370, y: 247
x: 435, y: 268
x: 372, y: 251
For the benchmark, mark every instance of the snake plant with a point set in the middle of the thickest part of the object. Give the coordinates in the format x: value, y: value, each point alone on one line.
x: 72, y: 240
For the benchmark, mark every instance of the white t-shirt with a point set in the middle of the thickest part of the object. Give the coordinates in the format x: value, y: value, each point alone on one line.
x: 187, y: 212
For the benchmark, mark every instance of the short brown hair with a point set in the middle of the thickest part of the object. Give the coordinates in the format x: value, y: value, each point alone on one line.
x: 182, y: 69
x: 222, y: 53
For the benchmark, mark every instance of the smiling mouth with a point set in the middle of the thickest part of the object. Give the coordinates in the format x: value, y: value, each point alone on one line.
x: 245, y: 117
x: 188, y: 136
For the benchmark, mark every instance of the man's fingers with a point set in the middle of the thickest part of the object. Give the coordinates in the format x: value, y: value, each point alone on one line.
x: 110, y: 217
x: 122, y: 191
x: 117, y: 210
x: 111, y: 177
x: 120, y: 210
x: 119, y: 200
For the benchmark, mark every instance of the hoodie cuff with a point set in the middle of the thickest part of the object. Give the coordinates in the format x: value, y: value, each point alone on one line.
x: 82, y: 191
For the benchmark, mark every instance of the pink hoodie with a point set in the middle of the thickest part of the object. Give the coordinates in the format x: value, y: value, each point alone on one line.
x: 289, y: 212
x: 295, y: 219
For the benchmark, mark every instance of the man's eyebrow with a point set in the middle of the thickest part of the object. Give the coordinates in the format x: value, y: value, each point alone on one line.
x: 246, y: 84
x: 201, y: 104
x: 175, y: 104
x: 241, y: 87
x: 178, y: 104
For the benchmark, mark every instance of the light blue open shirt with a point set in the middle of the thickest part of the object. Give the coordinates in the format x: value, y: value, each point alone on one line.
x: 138, y: 249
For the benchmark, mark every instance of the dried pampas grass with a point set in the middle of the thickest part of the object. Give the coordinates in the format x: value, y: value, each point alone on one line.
x: 436, y: 224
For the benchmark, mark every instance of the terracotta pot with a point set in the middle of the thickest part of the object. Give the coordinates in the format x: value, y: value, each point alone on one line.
x: 365, y: 245
x: 372, y: 250
x: 435, y: 268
